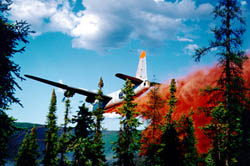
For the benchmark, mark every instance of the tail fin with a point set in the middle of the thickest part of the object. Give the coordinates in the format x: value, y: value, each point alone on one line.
x: 141, y: 72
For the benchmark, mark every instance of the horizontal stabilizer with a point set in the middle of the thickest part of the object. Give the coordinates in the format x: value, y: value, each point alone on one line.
x: 134, y: 80
x: 154, y: 83
x: 90, y: 95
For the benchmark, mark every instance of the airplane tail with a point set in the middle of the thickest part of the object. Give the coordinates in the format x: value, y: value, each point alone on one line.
x: 141, y: 72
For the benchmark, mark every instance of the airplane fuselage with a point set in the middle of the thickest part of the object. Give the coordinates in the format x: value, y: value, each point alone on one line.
x: 140, y: 82
x: 117, y: 96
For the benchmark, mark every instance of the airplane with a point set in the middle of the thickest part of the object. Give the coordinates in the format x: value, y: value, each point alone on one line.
x: 140, y: 82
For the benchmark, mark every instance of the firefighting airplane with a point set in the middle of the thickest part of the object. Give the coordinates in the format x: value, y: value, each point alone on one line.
x: 141, y: 85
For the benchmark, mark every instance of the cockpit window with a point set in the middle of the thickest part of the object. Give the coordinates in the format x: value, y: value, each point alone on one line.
x: 120, y: 95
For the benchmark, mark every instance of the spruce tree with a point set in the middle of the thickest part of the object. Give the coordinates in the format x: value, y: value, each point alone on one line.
x: 51, y: 140
x: 12, y: 35
x: 218, y: 130
x: 83, y: 146
x: 127, y: 145
x: 64, y: 140
x: 155, y: 104
x: 189, y: 152
x: 27, y: 153
x: 170, y: 153
x: 228, y: 42
x: 6, y: 130
x: 98, y: 114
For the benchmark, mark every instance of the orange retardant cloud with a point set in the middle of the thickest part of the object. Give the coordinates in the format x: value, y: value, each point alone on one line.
x: 189, y: 97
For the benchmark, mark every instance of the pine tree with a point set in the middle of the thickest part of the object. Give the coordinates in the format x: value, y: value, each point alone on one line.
x: 6, y: 130
x: 64, y: 140
x: 170, y: 153
x: 98, y: 113
x: 218, y: 131
x: 51, y: 141
x: 27, y: 153
x: 228, y: 42
x: 188, y: 149
x: 128, y: 141
x: 12, y: 35
x: 83, y: 146
x: 155, y: 104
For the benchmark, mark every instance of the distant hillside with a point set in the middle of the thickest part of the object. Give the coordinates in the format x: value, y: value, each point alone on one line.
x: 17, y: 138
x: 24, y: 125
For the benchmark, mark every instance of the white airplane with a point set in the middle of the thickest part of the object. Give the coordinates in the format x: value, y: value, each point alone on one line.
x: 141, y: 85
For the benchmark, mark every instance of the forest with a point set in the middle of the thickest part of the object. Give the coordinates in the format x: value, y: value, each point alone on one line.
x: 202, y: 119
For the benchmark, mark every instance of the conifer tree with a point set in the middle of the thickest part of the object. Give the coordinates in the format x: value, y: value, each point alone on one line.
x: 170, y: 153
x: 12, y: 35
x: 83, y: 146
x: 98, y: 113
x: 128, y: 141
x: 188, y: 149
x: 118, y: 148
x: 155, y: 104
x: 51, y: 140
x: 228, y: 42
x: 27, y: 153
x: 6, y: 130
x: 64, y: 140
x: 217, y: 131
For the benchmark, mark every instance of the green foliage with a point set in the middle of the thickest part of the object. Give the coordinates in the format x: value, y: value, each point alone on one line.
x: 172, y: 101
x: 84, y: 122
x: 28, y: 154
x: 6, y: 130
x: 64, y: 140
x: 11, y: 36
x: 51, y: 150
x: 228, y: 41
x: 84, y: 150
x: 170, y: 152
x: 128, y: 141
x: 98, y: 114
x: 152, y: 154
x: 83, y: 146
x: 189, y: 151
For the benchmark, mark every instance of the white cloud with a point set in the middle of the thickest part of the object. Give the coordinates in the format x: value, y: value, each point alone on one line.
x: 114, y: 23
x: 35, y: 12
x: 112, y: 115
x: 159, y: 0
x: 184, y: 39
x: 243, y: 3
x: 63, y: 21
x: 189, y: 49
x: 204, y: 9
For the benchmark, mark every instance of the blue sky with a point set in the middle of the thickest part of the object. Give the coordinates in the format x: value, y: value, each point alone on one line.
x: 78, y: 41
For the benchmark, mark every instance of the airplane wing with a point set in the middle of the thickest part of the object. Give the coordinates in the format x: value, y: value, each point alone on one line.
x: 134, y: 80
x: 90, y: 95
